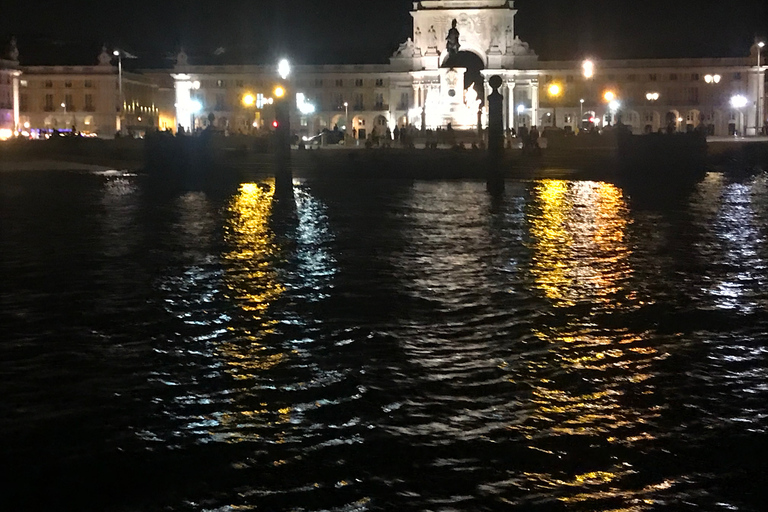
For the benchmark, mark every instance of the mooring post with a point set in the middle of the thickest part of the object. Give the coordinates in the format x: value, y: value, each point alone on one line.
x: 495, y: 136
x: 283, y: 173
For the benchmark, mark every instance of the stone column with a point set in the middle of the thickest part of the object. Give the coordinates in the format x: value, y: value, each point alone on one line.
x: 16, y: 108
x: 509, y: 112
x: 534, y: 103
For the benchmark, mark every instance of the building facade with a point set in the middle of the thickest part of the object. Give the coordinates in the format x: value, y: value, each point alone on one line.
x: 424, y: 85
x: 9, y: 92
x: 97, y: 100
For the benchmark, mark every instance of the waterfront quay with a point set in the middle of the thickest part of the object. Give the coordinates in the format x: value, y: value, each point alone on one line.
x: 595, y: 158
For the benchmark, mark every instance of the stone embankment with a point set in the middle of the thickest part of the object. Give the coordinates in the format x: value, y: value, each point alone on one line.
x: 579, y: 157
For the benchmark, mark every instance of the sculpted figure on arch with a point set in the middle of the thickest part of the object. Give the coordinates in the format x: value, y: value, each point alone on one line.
x: 452, y: 41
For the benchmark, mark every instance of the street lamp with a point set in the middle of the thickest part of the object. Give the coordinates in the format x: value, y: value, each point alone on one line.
x: 738, y: 102
x: 713, y: 79
x: 249, y: 101
x: 119, y: 55
x: 346, y: 117
x: 588, y: 68
x: 554, y: 91
x: 581, y: 112
x: 284, y: 68
x: 760, y: 46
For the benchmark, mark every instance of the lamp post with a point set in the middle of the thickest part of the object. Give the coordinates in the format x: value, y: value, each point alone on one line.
x: 738, y: 102
x: 554, y: 91
x: 581, y: 113
x: 610, y: 99
x: 520, y: 112
x: 346, y: 118
x: 652, y: 98
x: 250, y: 101
x: 588, y: 70
x: 760, y: 46
x: 119, y: 55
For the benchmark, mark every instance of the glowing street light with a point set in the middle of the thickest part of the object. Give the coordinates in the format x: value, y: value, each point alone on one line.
x: 249, y: 100
x: 581, y: 112
x: 279, y: 91
x: 713, y: 79
x: 304, y: 106
x: 652, y: 96
x: 520, y: 111
x: 119, y: 56
x: 346, y: 116
x: 609, y: 96
x: 554, y: 90
x: 284, y: 68
x: 760, y: 46
x: 588, y: 68
x: 738, y: 102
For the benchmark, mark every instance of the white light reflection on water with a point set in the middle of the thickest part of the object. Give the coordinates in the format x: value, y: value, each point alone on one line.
x: 738, y: 272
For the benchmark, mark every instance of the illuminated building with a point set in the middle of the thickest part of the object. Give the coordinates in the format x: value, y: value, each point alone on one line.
x: 417, y: 88
x: 422, y: 87
x: 86, y: 99
x: 9, y: 92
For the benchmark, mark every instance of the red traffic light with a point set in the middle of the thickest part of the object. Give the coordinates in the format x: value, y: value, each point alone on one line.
x: 275, y: 124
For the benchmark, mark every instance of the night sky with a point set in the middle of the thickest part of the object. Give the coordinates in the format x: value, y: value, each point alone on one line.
x: 313, y: 31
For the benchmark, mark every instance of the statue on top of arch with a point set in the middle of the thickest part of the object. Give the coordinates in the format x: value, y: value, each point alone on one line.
x: 520, y: 48
x: 452, y: 40
x: 406, y: 49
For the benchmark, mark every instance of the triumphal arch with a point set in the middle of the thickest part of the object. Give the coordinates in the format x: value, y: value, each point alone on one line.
x: 456, y: 45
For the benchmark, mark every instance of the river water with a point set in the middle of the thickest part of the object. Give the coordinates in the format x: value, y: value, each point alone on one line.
x: 382, y: 345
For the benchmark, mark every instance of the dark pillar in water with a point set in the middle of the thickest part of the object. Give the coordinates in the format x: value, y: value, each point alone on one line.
x: 283, y: 174
x: 495, y: 136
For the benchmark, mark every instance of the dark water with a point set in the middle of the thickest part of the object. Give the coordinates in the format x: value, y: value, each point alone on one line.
x: 382, y: 346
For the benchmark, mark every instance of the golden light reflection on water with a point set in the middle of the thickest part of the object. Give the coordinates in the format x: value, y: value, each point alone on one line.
x: 587, y: 385
x: 251, y: 279
x: 603, y: 374
x: 578, y: 232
